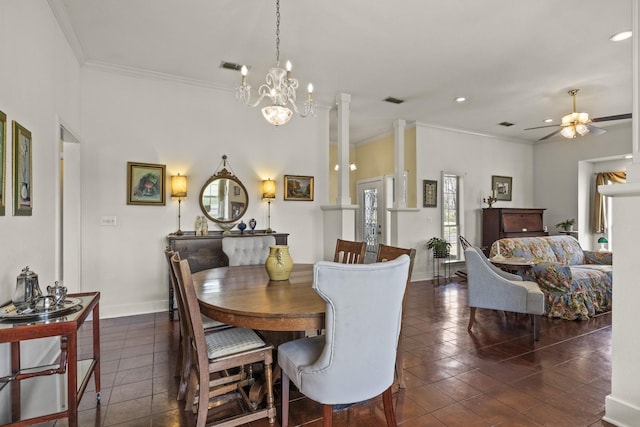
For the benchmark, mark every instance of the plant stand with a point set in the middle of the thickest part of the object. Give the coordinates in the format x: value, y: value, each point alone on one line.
x: 436, y: 261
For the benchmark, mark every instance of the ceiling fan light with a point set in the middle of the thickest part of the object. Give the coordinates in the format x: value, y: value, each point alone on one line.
x: 582, y: 129
x: 568, y: 131
x: 583, y: 117
x: 568, y: 119
x: 277, y: 114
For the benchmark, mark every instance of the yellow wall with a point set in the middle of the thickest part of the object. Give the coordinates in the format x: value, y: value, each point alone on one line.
x: 374, y: 159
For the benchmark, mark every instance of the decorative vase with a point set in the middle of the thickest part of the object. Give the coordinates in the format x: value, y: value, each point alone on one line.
x: 279, y: 262
x: 252, y: 224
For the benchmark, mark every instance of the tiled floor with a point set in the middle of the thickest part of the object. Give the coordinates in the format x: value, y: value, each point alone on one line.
x: 494, y: 376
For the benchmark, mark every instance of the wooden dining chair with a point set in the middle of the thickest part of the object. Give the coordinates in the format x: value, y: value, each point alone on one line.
x: 348, y: 252
x: 183, y: 356
x: 217, y: 369
x: 388, y: 253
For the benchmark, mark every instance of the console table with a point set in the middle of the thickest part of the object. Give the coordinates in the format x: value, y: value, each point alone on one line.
x: 205, y: 252
x: 22, y: 401
x: 500, y: 223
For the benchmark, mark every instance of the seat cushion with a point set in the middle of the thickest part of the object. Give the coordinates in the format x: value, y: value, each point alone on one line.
x: 299, y: 353
x: 208, y: 323
x: 230, y: 341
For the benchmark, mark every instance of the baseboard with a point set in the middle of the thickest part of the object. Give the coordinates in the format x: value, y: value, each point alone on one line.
x: 131, y: 309
x: 620, y: 413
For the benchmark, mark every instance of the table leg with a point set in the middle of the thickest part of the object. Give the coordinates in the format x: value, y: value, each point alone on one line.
x: 72, y: 379
x: 96, y: 350
x: 15, y: 385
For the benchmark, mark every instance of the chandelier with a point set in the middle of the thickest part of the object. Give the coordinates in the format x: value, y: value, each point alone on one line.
x: 575, y: 124
x: 280, y: 89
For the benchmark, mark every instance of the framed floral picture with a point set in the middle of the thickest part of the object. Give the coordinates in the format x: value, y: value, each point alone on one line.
x: 297, y: 187
x: 3, y: 151
x: 501, y: 187
x: 145, y: 184
x: 22, y: 176
x: 429, y: 193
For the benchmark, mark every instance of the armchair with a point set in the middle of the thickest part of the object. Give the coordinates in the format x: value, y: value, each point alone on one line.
x: 498, y: 290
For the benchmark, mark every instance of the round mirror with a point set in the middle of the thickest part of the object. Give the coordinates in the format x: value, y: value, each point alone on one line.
x: 223, y: 198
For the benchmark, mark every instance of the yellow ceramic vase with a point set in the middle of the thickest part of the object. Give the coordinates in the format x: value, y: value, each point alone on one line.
x: 279, y: 263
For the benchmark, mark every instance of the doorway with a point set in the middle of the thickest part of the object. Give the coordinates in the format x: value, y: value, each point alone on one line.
x: 69, y: 212
x: 371, y: 220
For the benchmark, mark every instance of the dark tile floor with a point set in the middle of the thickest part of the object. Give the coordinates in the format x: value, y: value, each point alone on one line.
x: 494, y: 376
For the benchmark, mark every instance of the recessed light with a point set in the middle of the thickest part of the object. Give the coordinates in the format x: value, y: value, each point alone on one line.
x: 623, y: 35
x: 548, y: 120
x: 460, y: 99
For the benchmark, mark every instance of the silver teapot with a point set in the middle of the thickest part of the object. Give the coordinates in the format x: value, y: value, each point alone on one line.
x: 27, y: 290
x: 57, y: 293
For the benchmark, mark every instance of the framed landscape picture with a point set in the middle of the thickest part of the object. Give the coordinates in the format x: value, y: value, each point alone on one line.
x: 429, y: 193
x: 22, y: 176
x: 145, y: 184
x: 502, y: 187
x: 3, y: 162
x: 298, y: 187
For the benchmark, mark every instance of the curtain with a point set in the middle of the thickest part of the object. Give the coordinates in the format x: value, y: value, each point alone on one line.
x: 603, y: 178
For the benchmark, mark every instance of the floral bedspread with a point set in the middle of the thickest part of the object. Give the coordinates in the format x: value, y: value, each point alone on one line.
x: 577, y: 284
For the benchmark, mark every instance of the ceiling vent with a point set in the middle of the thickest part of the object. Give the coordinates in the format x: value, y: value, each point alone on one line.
x: 230, y: 66
x: 506, y: 124
x: 393, y: 100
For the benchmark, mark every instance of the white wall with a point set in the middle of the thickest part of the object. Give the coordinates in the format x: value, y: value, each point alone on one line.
x: 476, y: 158
x: 39, y: 83
x: 556, y: 171
x: 188, y: 128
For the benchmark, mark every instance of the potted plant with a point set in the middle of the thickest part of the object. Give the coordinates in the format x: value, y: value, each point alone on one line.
x: 566, y: 225
x: 440, y: 247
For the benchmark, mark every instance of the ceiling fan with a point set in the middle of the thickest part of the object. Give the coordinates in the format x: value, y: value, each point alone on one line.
x: 578, y: 124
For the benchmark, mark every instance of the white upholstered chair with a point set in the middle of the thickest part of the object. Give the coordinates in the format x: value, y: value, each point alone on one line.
x: 492, y: 288
x: 355, y: 359
x: 247, y: 250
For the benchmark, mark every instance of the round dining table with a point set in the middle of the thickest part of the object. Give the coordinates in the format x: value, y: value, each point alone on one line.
x: 244, y: 296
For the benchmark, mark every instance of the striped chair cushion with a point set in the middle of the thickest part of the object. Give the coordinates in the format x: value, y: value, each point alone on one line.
x: 208, y: 323
x: 230, y: 341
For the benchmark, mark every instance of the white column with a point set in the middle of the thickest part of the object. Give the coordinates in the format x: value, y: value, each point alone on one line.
x: 622, y: 406
x: 343, y: 100
x: 400, y: 184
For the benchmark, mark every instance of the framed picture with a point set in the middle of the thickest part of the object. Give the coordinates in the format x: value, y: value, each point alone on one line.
x: 429, y: 193
x: 22, y: 177
x: 236, y: 190
x: 145, y: 184
x: 3, y: 151
x: 501, y: 187
x: 298, y: 187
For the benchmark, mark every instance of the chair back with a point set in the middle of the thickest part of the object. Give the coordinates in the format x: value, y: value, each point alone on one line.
x: 362, y: 325
x: 191, y: 321
x: 388, y: 253
x: 464, y: 243
x: 348, y: 252
x: 169, y: 254
x: 489, y: 288
x: 252, y: 250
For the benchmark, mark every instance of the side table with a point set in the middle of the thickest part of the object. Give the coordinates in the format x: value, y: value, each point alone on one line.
x: 19, y: 406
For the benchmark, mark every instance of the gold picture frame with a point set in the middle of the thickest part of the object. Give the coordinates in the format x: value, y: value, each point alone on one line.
x: 298, y: 188
x: 3, y: 159
x: 22, y: 171
x: 145, y: 184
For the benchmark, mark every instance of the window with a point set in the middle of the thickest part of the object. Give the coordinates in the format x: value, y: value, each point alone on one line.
x: 451, y: 209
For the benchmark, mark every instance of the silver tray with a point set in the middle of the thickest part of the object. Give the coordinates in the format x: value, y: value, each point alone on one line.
x: 39, y: 312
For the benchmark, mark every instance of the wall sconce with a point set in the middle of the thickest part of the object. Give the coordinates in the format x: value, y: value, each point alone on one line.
x: 603, y: 243
x: 268, y: 194
x: 352, y: 167
x: 179, y: 190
